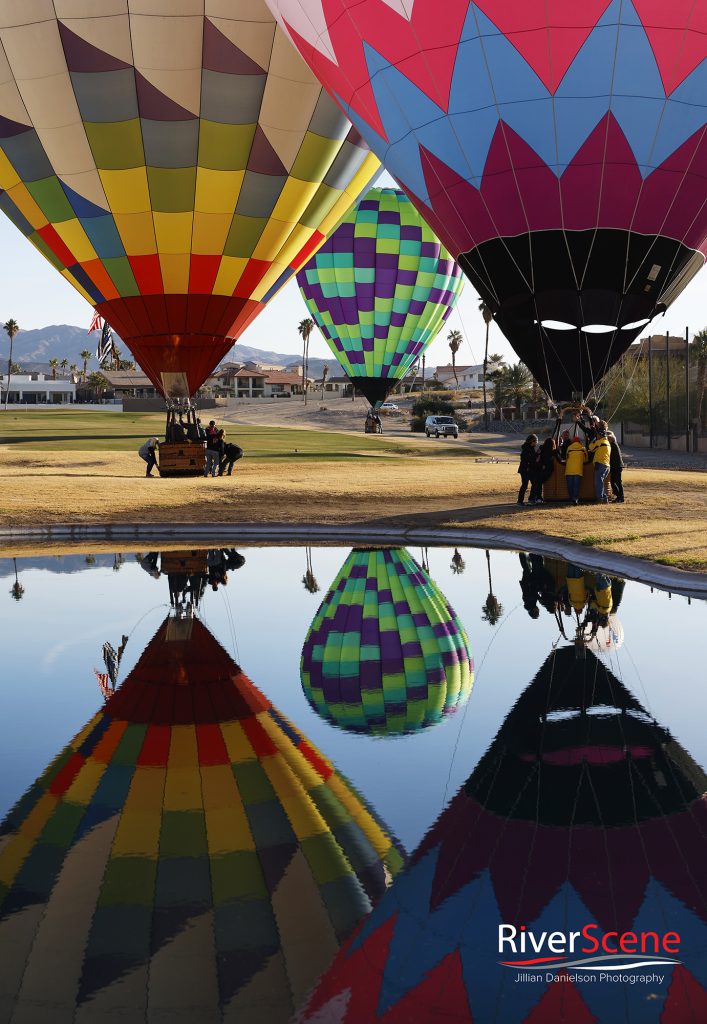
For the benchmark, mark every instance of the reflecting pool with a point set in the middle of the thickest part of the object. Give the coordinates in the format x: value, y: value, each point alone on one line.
x: 349, y: 785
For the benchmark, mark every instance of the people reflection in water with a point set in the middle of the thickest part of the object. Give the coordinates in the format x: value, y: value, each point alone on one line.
x: 584, y: 812
x: 567, y: 592
x: 190, y: 856
x: 190, y: 572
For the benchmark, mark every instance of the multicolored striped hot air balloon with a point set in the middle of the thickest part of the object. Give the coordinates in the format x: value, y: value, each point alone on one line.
x: 380, y: 289
x: 189, y: 852
x: 583, y: 811
x: 176, y: 163
x: 557, y: 148
x: 385, y: 654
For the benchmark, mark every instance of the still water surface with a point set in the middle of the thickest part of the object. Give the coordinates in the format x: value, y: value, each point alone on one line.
x: 216, y: 764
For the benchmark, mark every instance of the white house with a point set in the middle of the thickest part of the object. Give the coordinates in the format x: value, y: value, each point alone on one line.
x: 471, y: 377
x: 37, y: 389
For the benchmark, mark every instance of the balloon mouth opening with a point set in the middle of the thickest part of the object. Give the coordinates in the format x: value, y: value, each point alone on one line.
x: 562, y: 325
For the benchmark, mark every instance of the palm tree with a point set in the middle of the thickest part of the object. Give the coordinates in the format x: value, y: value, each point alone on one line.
x: 325, y: 374
x: 309, y: 580
x: 304, y: 329
x: 12, y: 328
x: 513, y: 384
x: 86, y: 355
x: 487, y: 314
x: 491, y: 609
x: 54, y: 362
x: 63, y: 364
x: 455, y: 339
x: 116, y: 356
x: 16, y: 590
x: 699, y: 348
x: 422, y: 383
x: 458, y: 565
x: 74, y: 371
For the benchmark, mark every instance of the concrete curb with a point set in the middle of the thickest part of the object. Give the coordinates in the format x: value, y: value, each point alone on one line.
x: 693, y: 584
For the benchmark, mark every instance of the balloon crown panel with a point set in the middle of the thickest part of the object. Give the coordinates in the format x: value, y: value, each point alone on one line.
x: 558, y: 151
x: 380, y: 289
x: 385, y: 654
x: 176, y: 170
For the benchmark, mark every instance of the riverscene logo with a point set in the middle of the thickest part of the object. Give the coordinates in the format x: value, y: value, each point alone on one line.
x: 587, y: 949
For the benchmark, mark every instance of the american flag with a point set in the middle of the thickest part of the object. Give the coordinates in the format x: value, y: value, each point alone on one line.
x: 96, y: 322
x: 104, y: 683
x: 105, y: 345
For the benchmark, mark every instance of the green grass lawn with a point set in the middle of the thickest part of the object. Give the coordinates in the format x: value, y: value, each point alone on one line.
x: 56, y: 430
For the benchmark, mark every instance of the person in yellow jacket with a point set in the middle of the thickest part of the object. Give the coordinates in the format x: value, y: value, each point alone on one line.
x: 600, y: 455
x: 575, y: 458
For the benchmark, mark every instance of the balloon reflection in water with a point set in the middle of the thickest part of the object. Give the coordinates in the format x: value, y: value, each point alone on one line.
x: 189, y: 849
x: 583, y: 809
x: 385, y: 654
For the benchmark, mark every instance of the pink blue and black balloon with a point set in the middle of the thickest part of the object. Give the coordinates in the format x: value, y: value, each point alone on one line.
x: 558, y: 150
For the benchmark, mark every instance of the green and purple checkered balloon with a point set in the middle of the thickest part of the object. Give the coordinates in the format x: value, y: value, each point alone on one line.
x: 385, y: 653
x: 380, y: 289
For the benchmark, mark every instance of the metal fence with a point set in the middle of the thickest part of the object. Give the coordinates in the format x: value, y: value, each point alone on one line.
x: 655, y: 394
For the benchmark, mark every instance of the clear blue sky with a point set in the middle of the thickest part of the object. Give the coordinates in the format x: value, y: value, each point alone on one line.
x: 35, y: 295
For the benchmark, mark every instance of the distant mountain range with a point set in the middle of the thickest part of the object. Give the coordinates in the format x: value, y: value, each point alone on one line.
x: 32, y: 350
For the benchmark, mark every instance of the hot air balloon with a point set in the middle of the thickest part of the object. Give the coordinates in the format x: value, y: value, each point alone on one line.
x: 385, y: 653
x: 175, y: 163
x: 380, y: 289
x: 583, y: 811
x: 188, y: 853
x: 558, y: 150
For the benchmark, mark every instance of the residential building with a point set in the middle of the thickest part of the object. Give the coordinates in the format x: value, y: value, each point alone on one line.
x: 129, y: 384
x: 659, y: 345
x: 334, y: 386
x: 37, y: 389
x: 471, y: 377
x: 249, y: 383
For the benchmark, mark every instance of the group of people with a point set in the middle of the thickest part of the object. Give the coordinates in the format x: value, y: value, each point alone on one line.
x: 599, y: 447
x: 220, y: 454
x: 374, y: 424
x: 187, y: 588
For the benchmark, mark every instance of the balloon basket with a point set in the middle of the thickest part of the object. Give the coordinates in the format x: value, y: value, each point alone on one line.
x: 555, y: 489
x: 185, y: 459
x: 189, y: 562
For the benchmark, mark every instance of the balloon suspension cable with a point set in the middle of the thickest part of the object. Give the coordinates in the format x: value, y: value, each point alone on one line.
x: 181, y: 413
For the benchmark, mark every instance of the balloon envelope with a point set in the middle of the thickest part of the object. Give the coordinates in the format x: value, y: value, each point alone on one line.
x: 380, y: 289
x: 558, y: 150
x: 385, y: 654
x: 177, y: 168
x: 583, y: 810
x: 189, y: 851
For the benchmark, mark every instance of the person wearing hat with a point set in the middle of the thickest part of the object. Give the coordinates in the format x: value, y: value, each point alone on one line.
x: 147, y: 453
x: 600, y: 455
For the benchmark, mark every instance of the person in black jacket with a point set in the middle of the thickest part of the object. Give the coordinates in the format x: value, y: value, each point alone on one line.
x: 544, y: 468
x: 527, y: 464
x: 616, y: 466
